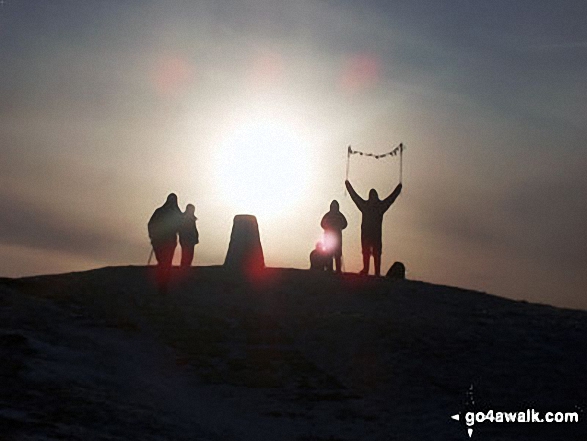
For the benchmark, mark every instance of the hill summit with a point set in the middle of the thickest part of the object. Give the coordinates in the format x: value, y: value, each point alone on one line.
x: 290, y: 355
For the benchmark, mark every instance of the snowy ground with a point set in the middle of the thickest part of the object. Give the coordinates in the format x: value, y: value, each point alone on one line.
x: 294, y: 356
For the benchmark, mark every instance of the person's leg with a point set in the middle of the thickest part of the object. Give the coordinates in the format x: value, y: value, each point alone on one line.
x: 187, y: 255
x: 338, y: 263
x: 158, y: 251
x: 184, y: 256
x: 190, y: 257
x: 160, y: 254
x: 377, y: 261
x: 366, y: 250
x: 329, y: 263
x: 377, y: 248
x: 366, y: 258
x: 165, y: 265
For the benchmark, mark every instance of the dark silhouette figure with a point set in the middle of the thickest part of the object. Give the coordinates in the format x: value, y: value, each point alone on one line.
x: 373, y: 210
x: 163, y: 227
x: 333, y: 223
x: 397, y: 271
x: 320, y: 258
x: 188, y: 235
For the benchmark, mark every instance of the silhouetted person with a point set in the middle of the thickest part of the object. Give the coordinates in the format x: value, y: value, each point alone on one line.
x: 163, y: 227
x: 320, y: 258
x: 373, y: 210
x: 188, y: 235
x: 333, y: 223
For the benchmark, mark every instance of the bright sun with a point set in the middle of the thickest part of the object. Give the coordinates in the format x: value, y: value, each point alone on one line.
x: 263, y: 168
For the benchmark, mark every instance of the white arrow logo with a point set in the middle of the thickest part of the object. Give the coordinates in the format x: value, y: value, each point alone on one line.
x: 457, y: 417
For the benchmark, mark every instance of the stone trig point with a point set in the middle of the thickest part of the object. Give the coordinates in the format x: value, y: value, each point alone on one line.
x: 245, y: 253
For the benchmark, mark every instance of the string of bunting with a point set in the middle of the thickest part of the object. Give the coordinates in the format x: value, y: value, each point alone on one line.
x: 393, y: 152
x: 399, y: 149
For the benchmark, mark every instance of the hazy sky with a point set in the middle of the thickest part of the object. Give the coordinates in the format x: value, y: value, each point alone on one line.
x: 107, y: 106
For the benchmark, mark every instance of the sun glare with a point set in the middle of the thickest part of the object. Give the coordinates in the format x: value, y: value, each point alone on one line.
x: 262, y: 169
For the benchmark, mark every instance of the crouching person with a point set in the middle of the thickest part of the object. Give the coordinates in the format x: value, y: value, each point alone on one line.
x: 320, y: 258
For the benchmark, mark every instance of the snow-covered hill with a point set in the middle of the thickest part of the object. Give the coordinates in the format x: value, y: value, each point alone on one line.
x: 293, y: 355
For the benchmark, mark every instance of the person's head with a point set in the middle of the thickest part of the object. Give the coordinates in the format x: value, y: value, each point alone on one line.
x: 171, y: 199
x: 373, y: 196
x: 334, y: 207
x: 190, y: 209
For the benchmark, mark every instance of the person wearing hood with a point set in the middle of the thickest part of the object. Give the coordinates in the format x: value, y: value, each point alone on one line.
x: 163, y: 227
x: 333, y: 223
x: 188, y: 235
x: 372, y: 210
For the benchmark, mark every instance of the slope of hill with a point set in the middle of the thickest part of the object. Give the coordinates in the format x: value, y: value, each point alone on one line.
x: 293, y: 355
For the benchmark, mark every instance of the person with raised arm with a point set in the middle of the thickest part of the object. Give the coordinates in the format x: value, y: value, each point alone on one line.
x: 372, y: 210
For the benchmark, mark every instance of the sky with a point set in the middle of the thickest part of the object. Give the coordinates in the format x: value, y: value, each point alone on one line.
x: 249, y: 106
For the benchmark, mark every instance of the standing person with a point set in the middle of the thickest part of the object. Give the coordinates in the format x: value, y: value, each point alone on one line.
x: 163, y: 227
x: 188, y: 235
x: 373, y: 210
x: 333, y: 223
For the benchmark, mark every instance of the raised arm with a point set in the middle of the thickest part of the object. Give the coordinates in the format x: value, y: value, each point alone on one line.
x: 358, y: 200
x: 392, y: 197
